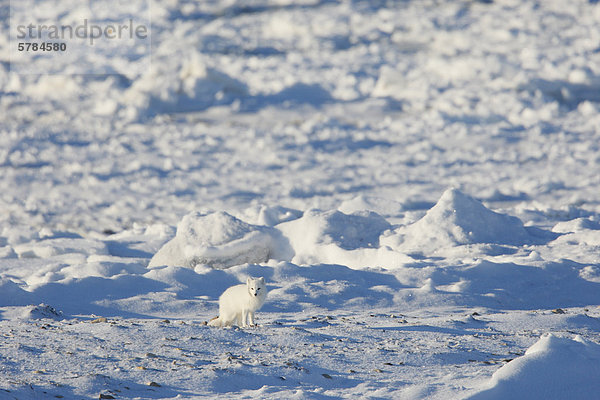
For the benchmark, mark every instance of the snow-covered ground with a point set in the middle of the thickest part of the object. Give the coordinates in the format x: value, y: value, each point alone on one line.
x: 417, y: 181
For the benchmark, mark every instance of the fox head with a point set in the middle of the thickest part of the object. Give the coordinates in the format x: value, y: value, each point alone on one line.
x: 256, y: 286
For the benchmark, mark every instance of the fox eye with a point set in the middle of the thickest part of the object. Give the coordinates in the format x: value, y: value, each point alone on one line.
x: 257, y: 289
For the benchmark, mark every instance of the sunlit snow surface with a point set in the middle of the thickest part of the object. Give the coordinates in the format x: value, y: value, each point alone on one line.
x: 417, y: 181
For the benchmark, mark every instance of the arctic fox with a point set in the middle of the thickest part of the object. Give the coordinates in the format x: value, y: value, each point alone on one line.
x: 238, y: 303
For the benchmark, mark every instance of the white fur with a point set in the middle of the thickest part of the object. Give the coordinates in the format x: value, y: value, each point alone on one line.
x: 238, y: 303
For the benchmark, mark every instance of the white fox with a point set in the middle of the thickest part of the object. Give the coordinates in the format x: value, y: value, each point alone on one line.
x: 238, y: 303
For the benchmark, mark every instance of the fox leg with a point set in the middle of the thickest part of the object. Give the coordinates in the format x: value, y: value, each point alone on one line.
x: 244, y: 315
x: 239, y: 319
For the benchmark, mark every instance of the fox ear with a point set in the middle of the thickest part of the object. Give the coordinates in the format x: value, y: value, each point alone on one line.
x: 248, y: 281
x: 262, y: 279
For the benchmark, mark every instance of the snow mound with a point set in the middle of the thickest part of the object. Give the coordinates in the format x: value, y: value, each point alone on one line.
x: 11, y: 293
x: 216, y: 239
x: 381, y: 206
x: 348, y: 231
x: 188, y: 86
x: 332, y: 237
x: 41, y: 311
x: 554, y: 367
x: 270, y: 215
x: 576, y: 225
x: 578, y: 89
x: 7, y: 252
x: 458, y: 219
x: 51, y: 247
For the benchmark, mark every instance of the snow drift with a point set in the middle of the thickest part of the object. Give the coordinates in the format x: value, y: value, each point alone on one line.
x: 359, y: 239
x: 318, y: 237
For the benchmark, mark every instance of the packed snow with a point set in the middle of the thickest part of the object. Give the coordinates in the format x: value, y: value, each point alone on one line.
x: 416, y: 181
